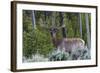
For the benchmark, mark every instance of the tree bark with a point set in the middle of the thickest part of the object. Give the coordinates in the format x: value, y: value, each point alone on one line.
x: 80, y: 23
x: 63, y: 25
x: 53, y: 19
x: 88, y: 31
x: 33, y: 19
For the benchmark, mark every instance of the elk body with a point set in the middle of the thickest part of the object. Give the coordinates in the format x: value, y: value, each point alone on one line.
x: 67, y: 44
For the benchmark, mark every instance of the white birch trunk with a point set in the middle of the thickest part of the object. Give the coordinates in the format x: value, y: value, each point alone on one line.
x: 33, y: 19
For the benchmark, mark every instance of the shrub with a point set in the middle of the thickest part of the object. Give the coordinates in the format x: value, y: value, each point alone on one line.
x: 80, y: 54
x: 76, y: 54
x: 85, y: 54
x: 36, y: 40
x: 58, y: 55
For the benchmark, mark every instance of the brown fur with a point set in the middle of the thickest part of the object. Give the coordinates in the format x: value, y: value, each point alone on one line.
x: 70, y: 44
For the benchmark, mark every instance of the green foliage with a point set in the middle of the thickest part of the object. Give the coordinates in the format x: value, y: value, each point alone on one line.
x: 72, y: 25
x: 36, y: 40
x: 27, y: 24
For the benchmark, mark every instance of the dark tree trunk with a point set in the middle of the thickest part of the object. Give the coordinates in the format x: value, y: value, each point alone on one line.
x: 62, y: 25
x: 45, y: 17
x: 53, y: 34
x: 53, y: 19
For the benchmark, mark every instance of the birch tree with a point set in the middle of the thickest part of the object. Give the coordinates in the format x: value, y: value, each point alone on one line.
x: 33, y: 19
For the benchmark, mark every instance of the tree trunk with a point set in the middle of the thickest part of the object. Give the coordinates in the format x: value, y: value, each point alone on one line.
x: 63, y: 25
x: 33, y: 19
x: 53, y: 35
x: 53, y: 19
x: 45, y: 18
x: 80, y: 23
x: 88, y: 32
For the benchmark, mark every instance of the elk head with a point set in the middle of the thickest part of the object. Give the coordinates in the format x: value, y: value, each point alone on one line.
x: 53, y: 32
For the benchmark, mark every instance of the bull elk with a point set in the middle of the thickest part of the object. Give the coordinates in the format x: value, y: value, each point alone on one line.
x: 67, y: 44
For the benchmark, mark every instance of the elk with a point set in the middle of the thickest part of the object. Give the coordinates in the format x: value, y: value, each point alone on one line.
x: 67, y: 44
